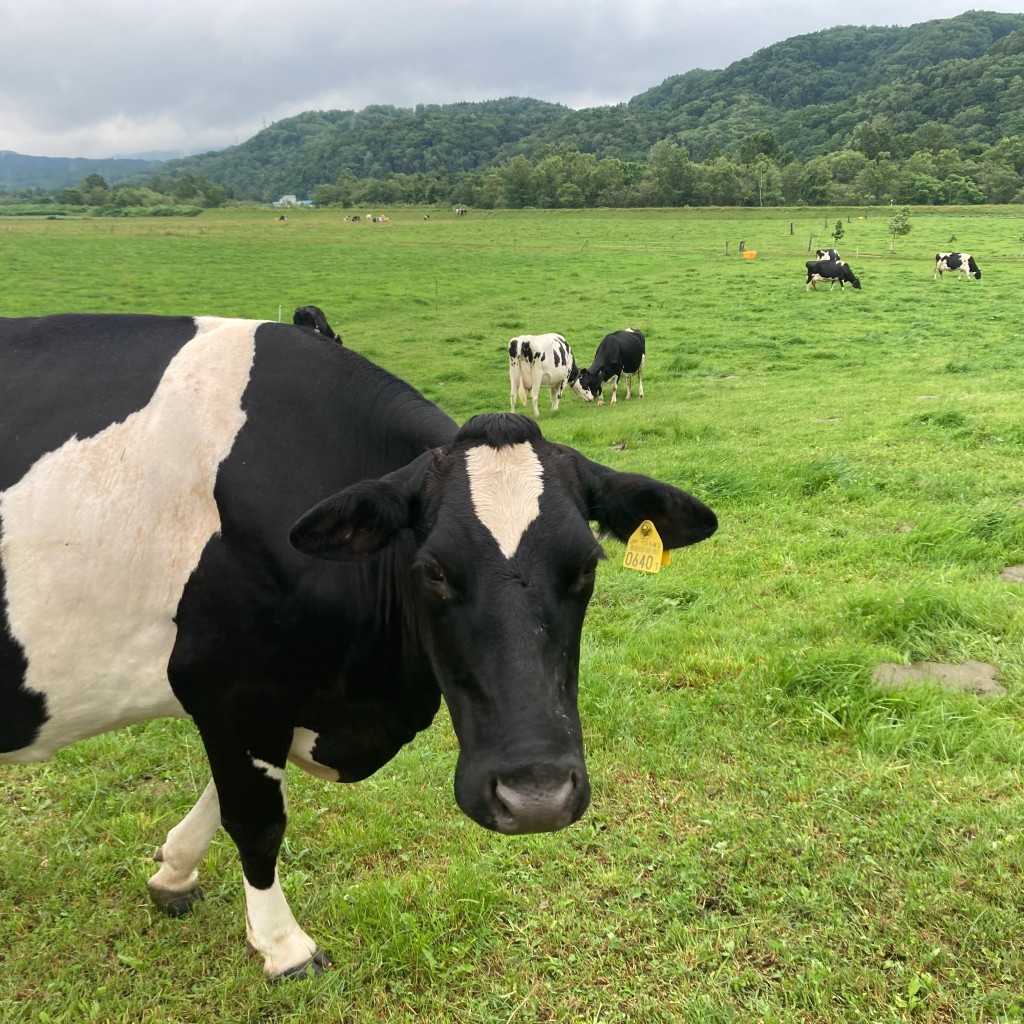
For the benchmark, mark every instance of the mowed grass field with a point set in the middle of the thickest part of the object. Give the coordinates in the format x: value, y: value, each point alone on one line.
x: 772, y: 837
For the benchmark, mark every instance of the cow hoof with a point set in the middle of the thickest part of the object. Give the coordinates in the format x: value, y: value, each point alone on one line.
x: 313, y: 967
x: 175, y: 904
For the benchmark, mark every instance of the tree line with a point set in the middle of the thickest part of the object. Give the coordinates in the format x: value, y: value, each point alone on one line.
x: 760, y: 175
x: 153, y: 196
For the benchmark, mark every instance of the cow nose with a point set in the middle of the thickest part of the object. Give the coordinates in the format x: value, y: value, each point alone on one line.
x: 533, y: 805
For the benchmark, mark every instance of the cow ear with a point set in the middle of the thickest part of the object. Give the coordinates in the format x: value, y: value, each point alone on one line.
x: 620, y: 502
x: 353, y: 523
x: 362, y: 519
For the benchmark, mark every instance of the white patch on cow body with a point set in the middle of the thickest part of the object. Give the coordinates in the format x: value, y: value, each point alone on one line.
x: 301, y: 754
x: 272, y: 771
x: 505, y: 485
x: 102, y: 534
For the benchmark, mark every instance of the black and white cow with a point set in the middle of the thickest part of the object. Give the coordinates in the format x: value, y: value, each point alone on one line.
x: 827, y: 254
x: 831, y: 271
x: 538, y: 361
x: 621, y: 352
x: 962, y: 262
x: 315, y: 318
x: 248, y: 524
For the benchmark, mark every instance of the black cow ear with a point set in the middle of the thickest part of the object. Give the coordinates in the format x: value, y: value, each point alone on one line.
x: 353, y: 523
x: 364, y: 518
x: 620, y: 502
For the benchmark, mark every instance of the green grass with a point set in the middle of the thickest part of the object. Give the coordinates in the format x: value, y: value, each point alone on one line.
x: 771, y: 837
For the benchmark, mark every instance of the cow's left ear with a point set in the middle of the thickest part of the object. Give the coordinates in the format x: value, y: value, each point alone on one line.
x: 362, y: 519
x: 620, y: 502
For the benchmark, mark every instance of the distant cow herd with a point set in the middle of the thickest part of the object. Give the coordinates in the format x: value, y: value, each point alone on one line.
x: 828, y: 267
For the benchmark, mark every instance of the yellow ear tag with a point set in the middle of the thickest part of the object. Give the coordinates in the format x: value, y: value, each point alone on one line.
x: 644, y: 550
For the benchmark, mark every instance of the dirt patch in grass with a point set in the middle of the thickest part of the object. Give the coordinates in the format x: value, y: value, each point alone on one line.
x: 970, y: 676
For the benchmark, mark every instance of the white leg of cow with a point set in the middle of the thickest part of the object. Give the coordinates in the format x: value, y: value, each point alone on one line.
x: 615, y: 388
x: 556, y: 397
x: 535, y: 395
x: 270, y: 927
x: 629, y: 386
x: 274, y: 934
x: 175, y: 887
x: 640, y: 377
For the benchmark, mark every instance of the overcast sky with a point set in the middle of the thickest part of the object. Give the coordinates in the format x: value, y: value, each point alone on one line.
x: 123, y: 78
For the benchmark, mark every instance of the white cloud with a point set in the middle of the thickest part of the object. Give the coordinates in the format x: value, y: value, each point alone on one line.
x: 112, y: 78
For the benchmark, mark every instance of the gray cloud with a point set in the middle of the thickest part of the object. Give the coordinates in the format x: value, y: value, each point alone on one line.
x: 113, y: 78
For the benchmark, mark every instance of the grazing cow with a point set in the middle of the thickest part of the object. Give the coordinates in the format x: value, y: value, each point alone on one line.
x: 832, y: 271
x: 314, y: 318
x: 827, y: 254
x: 621, y: 352
x: 168, y: 549
x: 962, y: 262
x: 538, y: 361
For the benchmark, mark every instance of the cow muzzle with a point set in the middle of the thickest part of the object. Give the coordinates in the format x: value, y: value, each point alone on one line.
x: 531, y: 800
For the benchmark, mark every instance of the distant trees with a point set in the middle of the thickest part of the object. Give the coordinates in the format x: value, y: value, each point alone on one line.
x: 564, y: 177
x: 159, y: 195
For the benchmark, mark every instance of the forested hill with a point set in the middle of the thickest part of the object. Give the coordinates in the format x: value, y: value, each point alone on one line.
x: 814, y: 93
x: 297, y: 153
x: 18, y: 171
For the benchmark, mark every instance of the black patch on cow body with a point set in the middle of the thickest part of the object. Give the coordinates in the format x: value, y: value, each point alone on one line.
x: 309, y: 627
x: 24, y: 711
x: 74, y: 375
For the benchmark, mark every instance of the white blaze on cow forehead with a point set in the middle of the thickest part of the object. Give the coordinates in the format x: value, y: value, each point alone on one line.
x: 102, y: 534
x: 505, y: 485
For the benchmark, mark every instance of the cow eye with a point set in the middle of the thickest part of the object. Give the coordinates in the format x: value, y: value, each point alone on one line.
x: 435, y: 579
x: 433, y: 572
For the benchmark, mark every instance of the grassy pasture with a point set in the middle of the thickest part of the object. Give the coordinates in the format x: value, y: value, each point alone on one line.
x: 772, y: 838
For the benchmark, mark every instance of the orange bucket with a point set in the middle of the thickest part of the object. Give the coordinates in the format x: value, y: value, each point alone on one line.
x: 750, y: 254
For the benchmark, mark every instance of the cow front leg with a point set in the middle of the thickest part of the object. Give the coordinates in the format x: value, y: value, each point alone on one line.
x: 175, y: 887
x: 251, y: 785
x: 615, y: 388
x: 556, y: 395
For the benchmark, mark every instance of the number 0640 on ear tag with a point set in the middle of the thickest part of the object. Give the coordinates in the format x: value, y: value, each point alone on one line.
x: 644, y: 550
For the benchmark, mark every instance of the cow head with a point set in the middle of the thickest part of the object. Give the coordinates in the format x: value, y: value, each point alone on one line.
x: 590, y: 384
x: 575, y: 381
x: 501, y: 565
